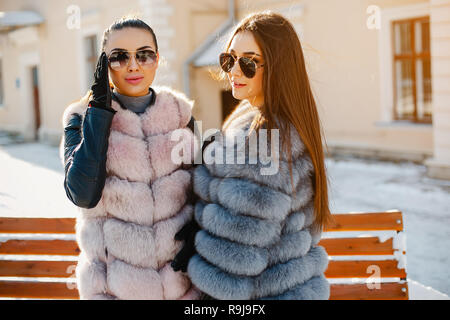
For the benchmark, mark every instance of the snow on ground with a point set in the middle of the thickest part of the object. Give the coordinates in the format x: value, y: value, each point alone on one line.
x: 418, y: 291
x: 32, y: 176
x: 32, y: 182
x: 362, y: 185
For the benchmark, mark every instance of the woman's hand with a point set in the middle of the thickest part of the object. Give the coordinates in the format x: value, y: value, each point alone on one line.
x: 186, y: 233
x: 101, y: 93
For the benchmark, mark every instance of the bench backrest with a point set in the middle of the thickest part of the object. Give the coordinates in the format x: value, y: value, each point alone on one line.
x: 367, y: 256
x: 39, y: 256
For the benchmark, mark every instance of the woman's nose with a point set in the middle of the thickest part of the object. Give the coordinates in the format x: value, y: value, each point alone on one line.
x: 133, y: 65
x: 236, y: 69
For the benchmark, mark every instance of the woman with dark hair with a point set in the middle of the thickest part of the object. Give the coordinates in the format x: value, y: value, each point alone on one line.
x: 116, y: 152
x: 260, y: 223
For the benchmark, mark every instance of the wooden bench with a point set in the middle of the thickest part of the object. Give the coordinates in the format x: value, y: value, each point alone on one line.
x: 350, y: 257
x: 370, y: 247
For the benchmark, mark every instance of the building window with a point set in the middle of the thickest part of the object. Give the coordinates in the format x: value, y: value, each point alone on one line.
x: 412, y: 70
x: 1, y: 83
x: 90, y: 49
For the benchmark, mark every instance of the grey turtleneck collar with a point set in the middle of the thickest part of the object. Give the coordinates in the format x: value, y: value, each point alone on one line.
x: 135, y: 104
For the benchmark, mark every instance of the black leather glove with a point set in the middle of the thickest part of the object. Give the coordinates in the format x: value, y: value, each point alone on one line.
x: 186, y: 233
x: 101, y: 92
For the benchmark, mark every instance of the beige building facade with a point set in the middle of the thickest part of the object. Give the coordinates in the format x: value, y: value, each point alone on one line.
x: 380, y: 69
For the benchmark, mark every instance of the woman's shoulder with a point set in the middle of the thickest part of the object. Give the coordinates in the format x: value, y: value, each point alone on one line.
x: 240, y: 119
x: 169, y: 94
x: 78, y: 107
x: 166, y: 96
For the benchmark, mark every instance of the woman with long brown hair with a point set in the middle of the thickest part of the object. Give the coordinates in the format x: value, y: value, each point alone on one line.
x: 260, y: 229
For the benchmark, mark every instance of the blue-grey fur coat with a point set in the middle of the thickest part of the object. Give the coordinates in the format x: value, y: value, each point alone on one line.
x: 256, y: 240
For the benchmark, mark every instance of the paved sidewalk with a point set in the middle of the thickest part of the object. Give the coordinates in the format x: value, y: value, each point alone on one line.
x: 31, y: 183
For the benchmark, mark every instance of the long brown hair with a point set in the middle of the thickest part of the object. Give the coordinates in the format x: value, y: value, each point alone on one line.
x: 288, y: 97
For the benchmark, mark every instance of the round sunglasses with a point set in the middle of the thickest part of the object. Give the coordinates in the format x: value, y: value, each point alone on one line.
x: 121, y: 58
x: 248, y: 65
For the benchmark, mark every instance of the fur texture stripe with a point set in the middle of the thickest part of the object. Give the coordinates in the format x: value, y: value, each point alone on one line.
x: 232, y: 257
x: 172, y: 110
x: 302, y: 169
x: 192, y: 294
x: 294, y: 222
x: 124, y: 158
x: 91, y: 277
x: 129, y: 123
x: 257, y: 241
x: 284, y: 276
x: 218, y: 283
x: 127, y: 240
x: 129, y: 201
x: 160, y: 151
x: 89, y: 234
x: 128, y: 282
x: 247, y: 230
x: 290, y: 246
x: 170, y: 193
x: 166, y: 246
x: 134, y: 244
x: 251, y: 199
x: 174, y: 283
x: 202, y: 180
x: 313, y: 289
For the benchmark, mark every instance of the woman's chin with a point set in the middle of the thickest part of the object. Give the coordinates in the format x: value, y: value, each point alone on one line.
x: 239, y: 95
x: 133, y: 90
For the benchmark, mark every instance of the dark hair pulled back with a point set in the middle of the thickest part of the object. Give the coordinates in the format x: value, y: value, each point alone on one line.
x: 128, y: 22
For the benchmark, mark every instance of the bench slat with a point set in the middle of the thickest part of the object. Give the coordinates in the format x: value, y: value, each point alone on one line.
x: 388, y: 291
x: 343, y: 222
x: 37, y: 290
x: 338, y: 246
x: 336, y: 269
x: 357, y: 246
x: 37, y: 225
x: 358, y: 269
x: 57, y: 269
x: 367, y: 221
x: 47, y: 247
x: 58, y: 290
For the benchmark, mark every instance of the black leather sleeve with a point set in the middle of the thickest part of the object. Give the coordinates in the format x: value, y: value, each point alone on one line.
x: 85, y: 148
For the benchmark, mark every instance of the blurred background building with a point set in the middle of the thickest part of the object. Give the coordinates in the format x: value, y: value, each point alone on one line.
x: 380, y: 69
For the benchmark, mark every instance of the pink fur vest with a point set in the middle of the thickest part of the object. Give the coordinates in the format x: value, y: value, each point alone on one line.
x: 127, y: 240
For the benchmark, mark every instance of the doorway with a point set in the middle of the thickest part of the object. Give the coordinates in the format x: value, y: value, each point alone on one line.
x: 228, y: 103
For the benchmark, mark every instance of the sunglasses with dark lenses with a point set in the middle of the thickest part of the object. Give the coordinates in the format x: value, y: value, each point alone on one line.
x: 248, y: 65
x: 120, y: 58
